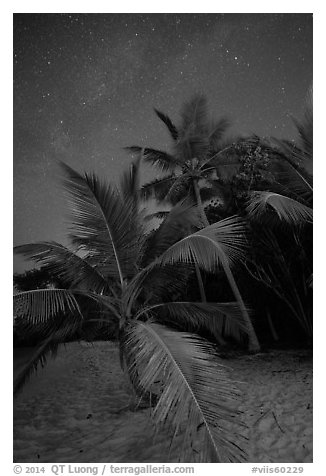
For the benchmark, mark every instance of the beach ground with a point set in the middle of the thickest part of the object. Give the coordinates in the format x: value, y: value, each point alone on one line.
x: 73, y: 409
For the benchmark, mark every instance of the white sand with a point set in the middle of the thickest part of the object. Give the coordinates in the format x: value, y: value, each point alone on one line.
x: 69, y: 411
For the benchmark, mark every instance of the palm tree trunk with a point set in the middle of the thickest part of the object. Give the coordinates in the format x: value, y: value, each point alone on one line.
x: 253, y: 343
x: 200, y: 281
x: 200, y: 203
x: 203, y: 298
x: 271, y: 325
x: 200, y: 284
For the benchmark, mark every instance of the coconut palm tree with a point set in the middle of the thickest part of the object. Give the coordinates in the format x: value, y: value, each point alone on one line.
x: 198, y: 155
x: 285, y: 209
x: 190, y: 169
x: 104, y: 269
x: 291, y: 194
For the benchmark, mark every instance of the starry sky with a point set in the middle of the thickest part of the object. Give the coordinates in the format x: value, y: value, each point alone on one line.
x: 85, y: 86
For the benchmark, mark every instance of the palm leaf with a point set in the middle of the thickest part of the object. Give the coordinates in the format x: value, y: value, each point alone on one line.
x: 193, y: 316
x: 157, y: 188
x: 217, y: 132
x: 182, y: 217
x: 194, y: 116
x: 72, y: 269
x: 129, y: 182
x: 108, y: 304
x: 288, y: 151
x: 53, y: 315
x: 305, y: 127
x: 157, y: 283
x: 217, y: 244
x: 104, y: 225
x: 286, y: 208
x: 163, y: 161
x: 41, y: 305
x: 49, y: 346
x: 192, y: 145
x: 169, y: 124
x: 292, y: 179
x: 226, y: 162
x: 193, y: 139
x: 196, y: 397
x: 179, y: 189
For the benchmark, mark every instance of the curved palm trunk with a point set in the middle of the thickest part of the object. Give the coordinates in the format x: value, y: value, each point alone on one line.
x: 200, y: 284
x: 271, y: 325
x: 200, y: 281
x: 253, y: 344
x: 203, y: 298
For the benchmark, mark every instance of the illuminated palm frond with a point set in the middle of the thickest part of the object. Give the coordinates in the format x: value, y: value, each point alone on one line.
x: 286, y: 208
x: 104, y: 225
x: 196, y: 397
x: 63, y: 263
x: 193, y: 316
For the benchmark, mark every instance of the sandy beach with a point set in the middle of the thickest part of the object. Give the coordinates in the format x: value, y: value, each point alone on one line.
x: 70, y: 411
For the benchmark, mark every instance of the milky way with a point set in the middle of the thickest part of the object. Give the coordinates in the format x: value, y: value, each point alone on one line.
x: 85, y: 86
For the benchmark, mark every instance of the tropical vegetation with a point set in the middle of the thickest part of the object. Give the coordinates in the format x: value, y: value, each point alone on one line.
x: 106, y: 281
x: 196, y: 165
x: 239, y: 217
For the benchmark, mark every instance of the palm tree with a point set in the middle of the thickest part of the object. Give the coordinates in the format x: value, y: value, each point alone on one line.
x: 286, y: 206
x: 291, y: 195
x: 104, y: 269
x: 198, y: 155
x: 197, y: 146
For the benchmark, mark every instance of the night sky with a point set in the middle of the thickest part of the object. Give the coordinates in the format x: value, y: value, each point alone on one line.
x: 85, y: 86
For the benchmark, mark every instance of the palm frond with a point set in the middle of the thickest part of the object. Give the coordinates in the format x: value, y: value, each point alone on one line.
x: 182, y: 218
x: 156, y: 283
x: 162, y: 160
x: 193, y: 139
x: 310, y: 281
x: 41, y: 305
x: 226, y: 162
x: 193, y: 316
x: 194, y: 116
x: 49, y: 346
x: 287, y: 209
x: 217, y: 132
x: 292, y: 179
x: 157, y: 188
x: 285, y: 150
x: 71, y: 268
x: 104, y: 225
x: 196, y: 397
x: 107, y: 304
x: 211, y: 247
x: 192, y: 145
x: 305, y: 126
x: 51, y: 315
x: 181, y: 188
x: 169, y: 124
x: 129, y: 182
x: 61, y: 331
